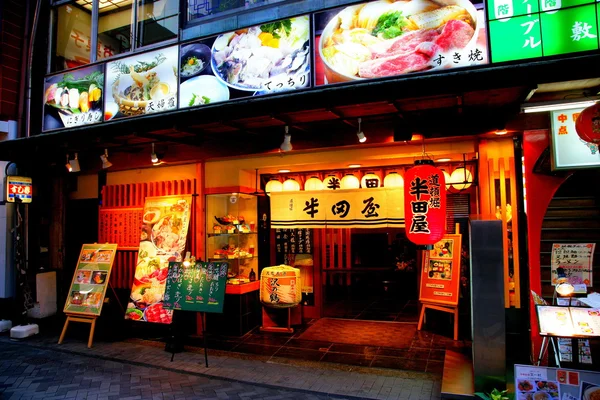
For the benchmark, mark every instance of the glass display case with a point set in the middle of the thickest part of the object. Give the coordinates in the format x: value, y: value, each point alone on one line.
x: 231, y: 232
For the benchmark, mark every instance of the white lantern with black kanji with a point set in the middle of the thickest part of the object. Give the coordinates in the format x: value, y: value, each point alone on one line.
x: 370, y: 181
x: 331, y: 182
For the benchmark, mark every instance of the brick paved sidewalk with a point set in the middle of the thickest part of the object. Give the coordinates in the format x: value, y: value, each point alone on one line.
x: 337, y: 381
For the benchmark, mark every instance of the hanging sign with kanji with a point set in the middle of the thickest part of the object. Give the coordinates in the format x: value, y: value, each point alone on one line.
x: 362, y: 208
x: 19, y: 187
x: 425, y: 204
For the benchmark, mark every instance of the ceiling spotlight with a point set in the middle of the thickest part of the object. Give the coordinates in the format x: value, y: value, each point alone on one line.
x: 68, y: 165
x: 361, y: 136
x: 287, y: 141
x: 104, y: 157
x: 74, y: 164
x: 153, y: 156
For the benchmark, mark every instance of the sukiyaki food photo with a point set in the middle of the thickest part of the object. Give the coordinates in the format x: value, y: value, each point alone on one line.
x: 388, y: 38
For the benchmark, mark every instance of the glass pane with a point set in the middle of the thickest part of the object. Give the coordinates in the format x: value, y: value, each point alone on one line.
x: 114, y: 27
x: 73, y: 32
x: 201, y: 8
x: 158, y: 20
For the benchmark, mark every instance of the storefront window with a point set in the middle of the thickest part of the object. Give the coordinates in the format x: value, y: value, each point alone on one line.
x: 158, y: 21
x: 202, y: 8
x: 116, y: 32
x: 73, y: 33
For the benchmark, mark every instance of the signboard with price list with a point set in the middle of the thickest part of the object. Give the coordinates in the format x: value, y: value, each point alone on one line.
x: 19, y: 187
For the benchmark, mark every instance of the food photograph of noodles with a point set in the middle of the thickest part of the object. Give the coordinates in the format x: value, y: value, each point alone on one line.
x: 387, y: 38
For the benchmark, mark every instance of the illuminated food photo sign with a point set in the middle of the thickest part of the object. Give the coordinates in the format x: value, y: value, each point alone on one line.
x: 142, y: 84
x: 529, y: 29
x: 74, y: 98
x: 382, y: 39
x: 263, y: 59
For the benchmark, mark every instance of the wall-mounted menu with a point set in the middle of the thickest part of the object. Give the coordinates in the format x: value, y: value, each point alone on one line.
x: 575, y: 260
x: 269, y: 58
x: 292, y: 241
x: 142, y: 84
x: 198, y: 287
x: 74, y: 98
x: 90, y: 280
x: 569, y: 321
x: 440, y: 273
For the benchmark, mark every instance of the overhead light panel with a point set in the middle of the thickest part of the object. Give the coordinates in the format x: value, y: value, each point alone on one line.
x: 287, y: 141
x: 153, y: 156
x: 68, y: 165
x: 554, y: 106
x: 361, y: 136
x: 74, y: 164
x: 104, y: 157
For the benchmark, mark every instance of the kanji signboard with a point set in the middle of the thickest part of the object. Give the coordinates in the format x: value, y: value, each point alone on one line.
x: 568, y: 149
x: 19, y: 187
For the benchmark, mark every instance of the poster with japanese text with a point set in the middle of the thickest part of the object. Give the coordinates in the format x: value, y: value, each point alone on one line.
x: 269, y: 58
x: 568, y: 149
x: 74, y: 98
x: 547, y: 383
x: 90, y: 280
x: 440, y: 273
x: 199, y: 287
x: 391, y: 38
x: 348, y: 208
x: 528, y: 29
x: 163, y: 233
x: 142, y: 84
x: 574, y: 260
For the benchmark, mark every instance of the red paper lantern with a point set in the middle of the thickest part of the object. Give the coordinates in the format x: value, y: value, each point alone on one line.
x: 425, y: 203
x: 587, y: 124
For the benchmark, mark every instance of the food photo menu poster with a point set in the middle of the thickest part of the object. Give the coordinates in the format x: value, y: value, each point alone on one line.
x: 269, y: 58
x: 546, y: 383
x: 74, y: 98
x: 165, y: 222
x: 440, y: 273
x: 90, y: 280
x: 391, y: 38
x: 142, y: 84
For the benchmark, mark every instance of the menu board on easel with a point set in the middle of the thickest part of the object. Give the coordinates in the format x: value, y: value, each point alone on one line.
x: 199, y: 287
x: 90, y: 280
x: 440, y: 272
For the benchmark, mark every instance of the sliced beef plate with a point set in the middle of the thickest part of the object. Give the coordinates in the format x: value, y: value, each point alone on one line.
x: 400, y: 63
x: 455, y: 35
x: 405, y: 43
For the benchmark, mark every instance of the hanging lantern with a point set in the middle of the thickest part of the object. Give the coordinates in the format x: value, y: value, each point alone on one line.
x: 370, y: 181
x: 425, y: 203
x: 393, y: 179
x: 313, y: 183
x: 349, y: 181
x: 587, y: 124
x: 331, y: 182
x: 273, y: 186
x: 290, y: 185
x: 461, y: 179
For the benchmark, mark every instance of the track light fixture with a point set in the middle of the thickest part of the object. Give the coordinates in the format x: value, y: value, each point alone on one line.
x: 104, y: 157
x: 68, y: 164
x: 287, y: 140
x: 74, y: 164
x: 153, y: 156
x: 361, y: 136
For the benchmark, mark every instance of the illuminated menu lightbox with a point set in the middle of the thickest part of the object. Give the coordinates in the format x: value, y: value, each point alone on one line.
x: 531, y: 28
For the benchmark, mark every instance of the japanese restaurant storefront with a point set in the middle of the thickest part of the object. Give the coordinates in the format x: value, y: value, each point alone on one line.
x: 437, y: 80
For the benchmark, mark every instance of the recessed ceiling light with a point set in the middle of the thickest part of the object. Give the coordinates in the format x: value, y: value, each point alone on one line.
x: 283, y: 171
x: 443, y: 159
x: 354, y: 166
x: 501, y: 132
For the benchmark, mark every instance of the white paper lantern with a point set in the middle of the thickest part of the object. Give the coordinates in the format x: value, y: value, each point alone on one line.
x: 461, y: 179
x: 291, y: 185
x: 313, y: 183
x: 273, y: 186
x: 331, y: 182
x: 448, y: 181
x: 373, y: 181
x: 350, y: 181
x: 393, y: 179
